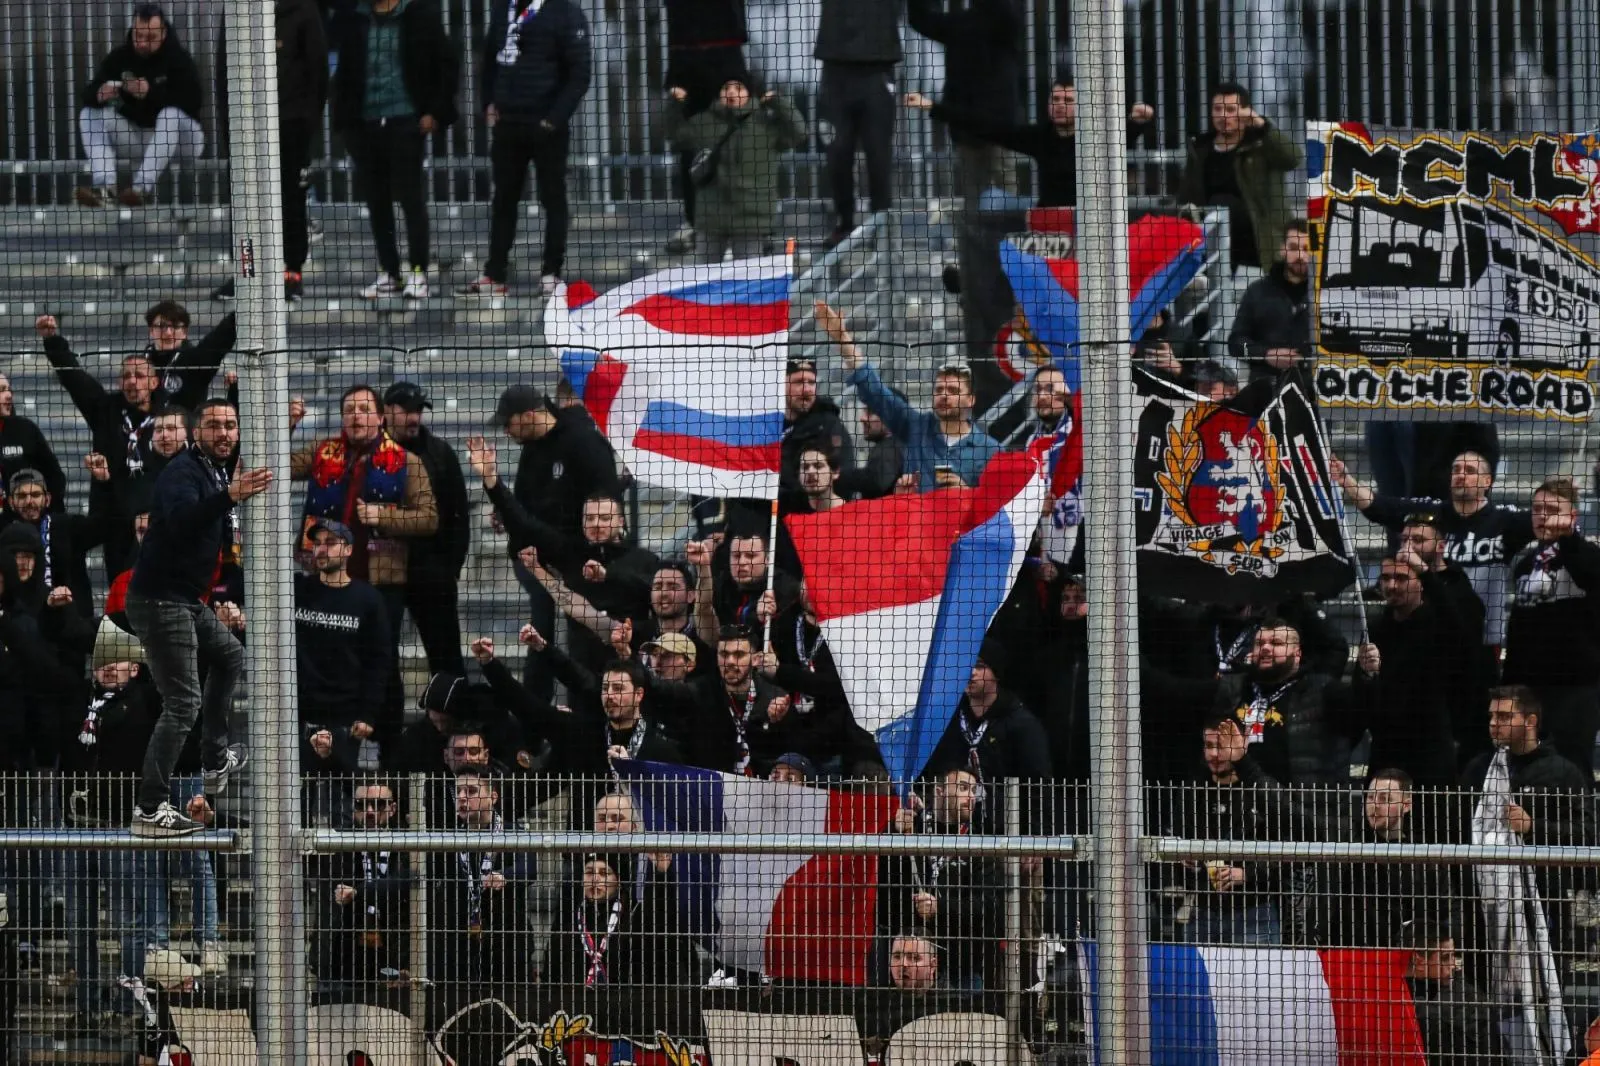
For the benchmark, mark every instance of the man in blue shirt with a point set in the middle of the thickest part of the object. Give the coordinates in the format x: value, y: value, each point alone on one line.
x: 943, y: 449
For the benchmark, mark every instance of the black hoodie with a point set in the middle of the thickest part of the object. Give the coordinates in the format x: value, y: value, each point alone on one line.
x: 23, y: 447
x: 1274, y: 313
x: 174, y: 80
x: 819, y: 427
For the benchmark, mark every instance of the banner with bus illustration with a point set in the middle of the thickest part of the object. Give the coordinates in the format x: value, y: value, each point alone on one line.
x: 1455, y: 271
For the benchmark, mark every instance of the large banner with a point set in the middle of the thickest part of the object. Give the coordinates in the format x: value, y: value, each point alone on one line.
x: 1457, y: 271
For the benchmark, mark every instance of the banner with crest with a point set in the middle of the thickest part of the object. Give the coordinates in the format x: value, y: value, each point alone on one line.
x: 1235, y: 502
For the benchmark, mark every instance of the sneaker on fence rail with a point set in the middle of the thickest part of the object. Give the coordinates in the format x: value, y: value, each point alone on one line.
x: 548, y: 283
x: 294, y: 286
x: 234, y: 759
x: 416, y: 285
x: 682, y: 241
x: 92, y: 196
x: 165, y: 821
x: 214, y: 959
x: 385, y: 287
x: 483, y: 288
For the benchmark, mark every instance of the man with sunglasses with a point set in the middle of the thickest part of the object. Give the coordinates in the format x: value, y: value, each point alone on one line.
x: 362, y: 926
x: 943, y: 448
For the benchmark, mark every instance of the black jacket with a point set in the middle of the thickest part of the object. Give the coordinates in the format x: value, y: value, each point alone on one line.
x: 875, y: 477
x: 23, y: 447
x: 860, y: 31
x: 174, y: 80
x: 442, y: 555
x: 1274, y: 313
x: 1255, y: 808
x: 1055, y: 152
x: 355, y: 941
x: 1458, y: 1022
x: 819, y: 427
x: 705, y: 723
x: 970, y: 905
x: 105, y: 741
x: 480, y: 936
x: 302, y: 68
x: 430, y: 61
x: 982, y: 53
x: 1549, y: 787
x: 1553, y: 629
x: 1428, y: 660
x: 703, y: 23
x: 188, y: 528
x: 557, y: 472
x: 1309, y: 723
x: 552, y: 70
x: 65, y: 540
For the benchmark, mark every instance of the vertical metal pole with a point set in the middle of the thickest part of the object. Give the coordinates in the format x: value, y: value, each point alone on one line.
x: 1122, y: 1022
x: 1017, y: 794
x: 277, y: 909
x: 417, y: 818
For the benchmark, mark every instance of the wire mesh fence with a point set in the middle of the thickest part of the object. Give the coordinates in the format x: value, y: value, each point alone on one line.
x: 725, y: 532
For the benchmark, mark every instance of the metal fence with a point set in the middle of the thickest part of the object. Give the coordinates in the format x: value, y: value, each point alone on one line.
x: 1462, y: 64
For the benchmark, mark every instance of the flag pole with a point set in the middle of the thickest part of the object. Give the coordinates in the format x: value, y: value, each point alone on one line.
x: 772, y: 522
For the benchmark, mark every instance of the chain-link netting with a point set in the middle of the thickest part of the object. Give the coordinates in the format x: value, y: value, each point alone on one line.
x: 745, y: 533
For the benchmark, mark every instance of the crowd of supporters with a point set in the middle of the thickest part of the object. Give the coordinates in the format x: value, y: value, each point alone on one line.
x: 1478, y: 669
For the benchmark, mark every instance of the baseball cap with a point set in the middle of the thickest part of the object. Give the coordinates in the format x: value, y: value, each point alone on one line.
x: 332, y: 525
x: 675, y: 643
x: 517, y: 400
x: 795, y: 761
x: 802, y: 363
x: 27, y: 476
x: 406, y: 395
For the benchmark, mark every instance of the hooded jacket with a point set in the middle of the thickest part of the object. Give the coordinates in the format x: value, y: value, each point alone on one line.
x: 1307, y: 726
x: 1553, y: 628
x: 743, y: 196
x: 552, y: 71
x: 23, y: 447
x: 429, y: 59
x: 1260, y: 161
x: 557, y: 472
x: 820, y: 427
x: 174, y: 80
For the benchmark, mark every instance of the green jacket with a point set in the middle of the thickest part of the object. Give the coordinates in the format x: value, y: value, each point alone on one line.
x: 1259, y: 163
x: 744, y: 195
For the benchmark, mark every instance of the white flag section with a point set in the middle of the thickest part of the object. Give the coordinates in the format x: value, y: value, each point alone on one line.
x: 1523, y: 960
x: 683, y: 372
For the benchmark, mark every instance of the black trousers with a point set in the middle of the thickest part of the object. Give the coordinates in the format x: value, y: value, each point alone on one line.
x: 1571, y: 718
x: 388, y: 158
x: 294, y: 155
x: 394, y: 698
x: 516, y: 144
x: 858, y: 101
x: 700, y: 72
x: 434, y: 603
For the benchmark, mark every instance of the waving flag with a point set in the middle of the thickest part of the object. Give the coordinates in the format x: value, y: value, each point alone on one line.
x: 789, y: 917
x: 1164, y: 253
x: 683, y: 372
x: 931, y: 569
x: 1228, y: 1006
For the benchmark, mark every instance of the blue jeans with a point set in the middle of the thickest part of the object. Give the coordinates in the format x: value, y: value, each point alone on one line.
x: 201, y: 867
x: 176, y: 636
x: 1218, y: 921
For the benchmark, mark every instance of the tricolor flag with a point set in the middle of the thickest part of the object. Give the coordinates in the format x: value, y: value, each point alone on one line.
x: 1164, y: 254
x: 683, y: 372
x: 1234, y: 1006
x: 789, y: 917
x: 904, y: 588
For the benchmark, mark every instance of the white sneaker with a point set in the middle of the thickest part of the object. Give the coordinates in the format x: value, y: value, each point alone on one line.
x: 384, y: 288
x: 681, y: 242
x: 214, y: 959
x: 416, y: 285
x: 234, y: 758
x: 548, y: 283
x: 165, y: 821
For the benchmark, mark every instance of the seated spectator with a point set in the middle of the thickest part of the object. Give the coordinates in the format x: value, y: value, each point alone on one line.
x: 613, y: 955
x: 363, y: 921
x: 143, y: 107
x: 943, y: 447
x: 737, y: 143
x: 1234, y: 902
x: 1457, y: 1021
x: 1423, y: 653
x: 1271, y: 333
x: 1053, y: 145
x: 23, y: 447
x: 917, y: 988
x: 1553, y: 626
x: 810, y: 420
x: 956, y: 900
